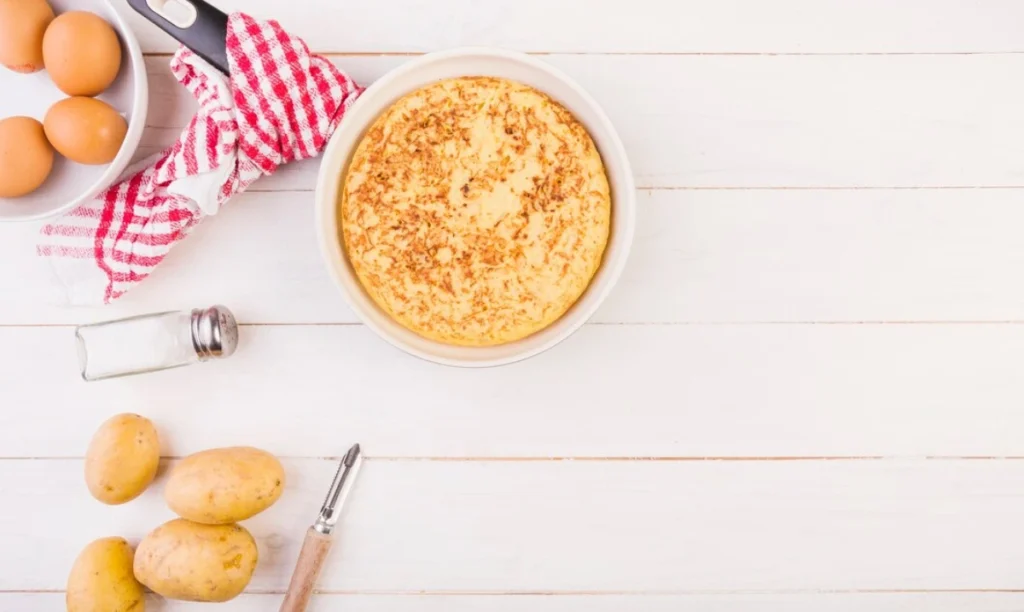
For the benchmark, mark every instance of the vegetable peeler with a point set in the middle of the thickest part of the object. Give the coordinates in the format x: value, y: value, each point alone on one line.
x: 318, y: 537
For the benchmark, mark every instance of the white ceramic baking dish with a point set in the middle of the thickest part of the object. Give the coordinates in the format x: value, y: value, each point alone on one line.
x: 474, y: 62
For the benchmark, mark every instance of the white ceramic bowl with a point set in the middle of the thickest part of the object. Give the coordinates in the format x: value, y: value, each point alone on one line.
x: 31, y: 95
x: 474, y: 62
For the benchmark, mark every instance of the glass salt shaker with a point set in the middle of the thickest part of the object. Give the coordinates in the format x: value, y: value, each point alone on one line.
x: 158, y: 341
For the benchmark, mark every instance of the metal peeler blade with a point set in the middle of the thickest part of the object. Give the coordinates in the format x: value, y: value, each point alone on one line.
x: 343, y: 481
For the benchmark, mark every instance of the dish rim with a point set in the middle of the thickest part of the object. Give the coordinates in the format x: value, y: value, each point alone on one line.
x: 337, y: 156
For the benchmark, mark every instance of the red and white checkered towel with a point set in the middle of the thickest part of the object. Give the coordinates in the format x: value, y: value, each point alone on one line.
x: 279, y: 104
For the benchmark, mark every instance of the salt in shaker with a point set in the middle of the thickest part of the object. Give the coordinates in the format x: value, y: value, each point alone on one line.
x: 158, y: 341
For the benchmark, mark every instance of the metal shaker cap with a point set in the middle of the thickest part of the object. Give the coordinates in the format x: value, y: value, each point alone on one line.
x: 214, y: 332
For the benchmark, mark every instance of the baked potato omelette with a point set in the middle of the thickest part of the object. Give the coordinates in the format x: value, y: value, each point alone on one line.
x: 475, y: 211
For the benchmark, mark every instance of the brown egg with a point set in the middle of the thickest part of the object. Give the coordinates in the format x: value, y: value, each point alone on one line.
x: 25, y: 157
x: 85, y: 130
x: 22, y: 24
x: 82, y: 53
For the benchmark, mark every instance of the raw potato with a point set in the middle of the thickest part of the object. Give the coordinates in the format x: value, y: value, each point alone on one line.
x: 122, y: 458
x: 193, y: 562
x: 101, y: 579
x: 224, y: 485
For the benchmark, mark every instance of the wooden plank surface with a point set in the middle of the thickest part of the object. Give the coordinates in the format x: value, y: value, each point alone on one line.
x: 640, y: 26
x: 764, y: 120
x: 715, y: 602
x: 709, y: 602
x: 624, y: 391
x: 804, y: 394
x: 699, y: 257
x: 586, y: 526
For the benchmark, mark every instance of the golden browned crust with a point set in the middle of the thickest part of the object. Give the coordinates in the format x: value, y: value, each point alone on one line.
x: 475, y: 211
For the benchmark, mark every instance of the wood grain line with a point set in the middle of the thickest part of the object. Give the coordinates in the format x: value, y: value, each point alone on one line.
x: 584, y: 458
x: 830, y: 188
x: 592, y: 593
x: 758, y: 188
x: 668, y: 53
x: 773, y: 323
x: 597, y: 459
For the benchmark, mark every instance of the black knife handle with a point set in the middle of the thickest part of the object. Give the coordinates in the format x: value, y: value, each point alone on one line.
x: 206, y: 36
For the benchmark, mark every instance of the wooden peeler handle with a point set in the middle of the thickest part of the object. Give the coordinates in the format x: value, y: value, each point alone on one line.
x: 307, y: 569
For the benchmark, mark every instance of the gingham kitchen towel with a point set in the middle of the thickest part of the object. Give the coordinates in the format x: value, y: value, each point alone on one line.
x: 279, y: 104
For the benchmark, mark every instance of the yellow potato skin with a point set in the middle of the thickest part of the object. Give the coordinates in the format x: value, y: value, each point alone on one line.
x: 122, y: 458
x: 193, y: 562
x: 101, y: 579
x: 224, y: 485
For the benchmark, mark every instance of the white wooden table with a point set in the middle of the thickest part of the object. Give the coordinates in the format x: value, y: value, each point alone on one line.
x: 805, y: 394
